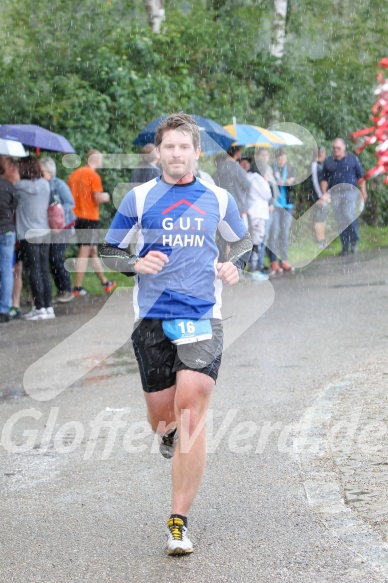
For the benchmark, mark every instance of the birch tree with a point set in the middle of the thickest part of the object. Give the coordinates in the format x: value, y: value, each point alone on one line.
x: 155, y: 13
x: 279, y: 29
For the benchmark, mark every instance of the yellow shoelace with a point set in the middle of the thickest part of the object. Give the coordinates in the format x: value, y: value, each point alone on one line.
x: 175, y: 525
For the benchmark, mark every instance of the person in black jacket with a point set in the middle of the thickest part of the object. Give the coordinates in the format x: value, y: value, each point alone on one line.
x: 233, y: 178
x: 9, y: 175
x: 148, y: 168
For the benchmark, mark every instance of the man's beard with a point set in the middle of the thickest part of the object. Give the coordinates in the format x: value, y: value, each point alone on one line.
x: 178, y: 172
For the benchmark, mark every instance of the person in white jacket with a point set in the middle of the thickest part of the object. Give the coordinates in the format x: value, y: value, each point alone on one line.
x: 258, y: 213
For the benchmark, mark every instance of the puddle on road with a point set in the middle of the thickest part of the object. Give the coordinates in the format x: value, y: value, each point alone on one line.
x: 118, y: 365
x: 12, y: 395
x: 121, y: 364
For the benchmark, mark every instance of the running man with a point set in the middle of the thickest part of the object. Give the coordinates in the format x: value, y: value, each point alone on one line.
x: 178, y: 331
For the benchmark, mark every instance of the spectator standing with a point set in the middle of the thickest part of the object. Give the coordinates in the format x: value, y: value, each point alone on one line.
x: 15, y: 312
x: 262, y: 160
x: 61, y: 192
x: 259, y: 196
x: 279, y: 236
x: 9, y: 175
x: 148, y: 168
x: 344, y: 168
x: 86, y: 187
x: 33, y: 195
x: 322, y: 202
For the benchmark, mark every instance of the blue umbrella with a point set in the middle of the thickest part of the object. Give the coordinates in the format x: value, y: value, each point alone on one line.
x: 36, y: 137
x: 214, y: 137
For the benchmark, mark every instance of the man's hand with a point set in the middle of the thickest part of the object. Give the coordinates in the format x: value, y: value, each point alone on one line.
x: 228, y: 273
x: 325, y: 198
x: 152, y: 263
x: 362, y: 186
x: 101, y: 197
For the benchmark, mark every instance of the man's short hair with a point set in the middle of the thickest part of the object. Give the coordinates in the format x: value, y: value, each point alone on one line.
x: 49, y: 165
x: 280, y: 152
x: 339, y: 140
x: 148, y: 153
x: 92, y: 156
x: 178, y: 121
x: 93, y: 152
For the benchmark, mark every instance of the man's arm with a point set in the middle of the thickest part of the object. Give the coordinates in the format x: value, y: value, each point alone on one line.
x: 240, y: 251
x: 314, y: 178
x: 233, y: 230
x: 361, y: 181
x: 116, y: 259
x: 362, y: 185
x: 291, y: 176
x: 238, y: 257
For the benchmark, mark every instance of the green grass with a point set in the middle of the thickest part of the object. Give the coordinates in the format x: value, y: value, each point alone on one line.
x: 304, y: 248
x: 301, y: 251
x: 93, y: 284
x: 373, y: 237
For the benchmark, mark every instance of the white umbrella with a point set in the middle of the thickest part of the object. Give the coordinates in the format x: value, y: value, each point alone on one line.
x: 12, y: 148
x: 289, y: 139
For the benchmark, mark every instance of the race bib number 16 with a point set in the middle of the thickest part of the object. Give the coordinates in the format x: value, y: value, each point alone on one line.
x: 184, y: 331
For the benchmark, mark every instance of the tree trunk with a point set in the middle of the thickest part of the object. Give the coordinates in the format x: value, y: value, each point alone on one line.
x: 279, y: 28
x: 155, y: 13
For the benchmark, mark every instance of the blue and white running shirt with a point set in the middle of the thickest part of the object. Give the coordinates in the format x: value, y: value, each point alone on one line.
x: 181, y: 221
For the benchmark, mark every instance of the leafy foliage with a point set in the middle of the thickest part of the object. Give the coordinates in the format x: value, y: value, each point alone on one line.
x: 94, y: 71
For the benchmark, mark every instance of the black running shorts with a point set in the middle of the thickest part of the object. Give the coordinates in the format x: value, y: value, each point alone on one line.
x: 159, y: 359
x: 87, y: 231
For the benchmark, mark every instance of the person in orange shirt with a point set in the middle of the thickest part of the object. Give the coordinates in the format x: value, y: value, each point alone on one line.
x: 86, y: 187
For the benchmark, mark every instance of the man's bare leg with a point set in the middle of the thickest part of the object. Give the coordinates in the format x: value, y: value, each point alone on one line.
x: 97, y: 265
x: 320, y: 229
x: 185, y: 406
x: 81, y: 264
x: 17, y: 284
x: 161, y: 412
x: 192, y: 399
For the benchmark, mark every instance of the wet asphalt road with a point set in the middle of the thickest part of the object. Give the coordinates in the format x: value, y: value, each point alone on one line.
x: 85, y: 494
